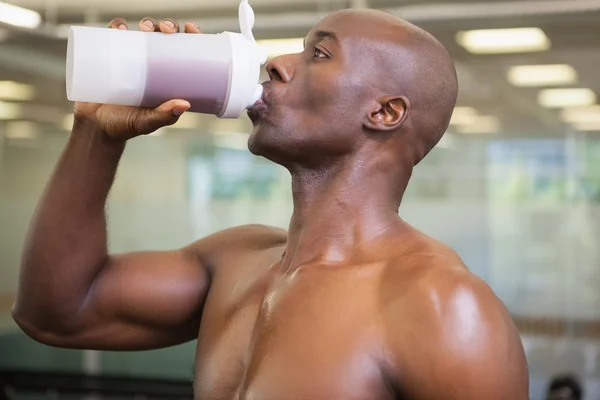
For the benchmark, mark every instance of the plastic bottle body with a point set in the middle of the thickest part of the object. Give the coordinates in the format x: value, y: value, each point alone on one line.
x: 217, y: 74
x: 194, y: 68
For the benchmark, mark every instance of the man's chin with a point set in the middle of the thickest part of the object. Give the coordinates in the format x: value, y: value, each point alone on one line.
x: 256, y: 141
x: 265, y: 142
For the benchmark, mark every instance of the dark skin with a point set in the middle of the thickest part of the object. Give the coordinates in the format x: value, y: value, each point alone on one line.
x: 350, y: 303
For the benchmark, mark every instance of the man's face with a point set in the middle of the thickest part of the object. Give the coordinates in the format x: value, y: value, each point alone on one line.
x: 316, y: 101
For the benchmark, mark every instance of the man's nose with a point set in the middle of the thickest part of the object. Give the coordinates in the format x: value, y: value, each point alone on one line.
x: 281, y: 68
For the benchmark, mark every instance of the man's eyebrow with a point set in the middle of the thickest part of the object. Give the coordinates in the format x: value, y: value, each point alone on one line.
x: 322, y: 35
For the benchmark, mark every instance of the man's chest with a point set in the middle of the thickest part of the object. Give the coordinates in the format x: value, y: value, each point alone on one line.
x: 300, y: 337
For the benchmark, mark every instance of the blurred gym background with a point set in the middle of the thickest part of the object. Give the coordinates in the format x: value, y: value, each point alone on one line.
x: 514, y: 186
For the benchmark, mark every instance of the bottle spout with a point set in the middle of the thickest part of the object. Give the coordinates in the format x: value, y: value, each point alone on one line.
x: 247, y: 18
x: 257, y: 97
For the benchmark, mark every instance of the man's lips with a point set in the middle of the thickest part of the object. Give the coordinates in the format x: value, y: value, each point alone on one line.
x: 258, y: 110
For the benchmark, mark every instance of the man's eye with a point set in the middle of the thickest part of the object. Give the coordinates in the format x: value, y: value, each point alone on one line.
x: 319, y: 54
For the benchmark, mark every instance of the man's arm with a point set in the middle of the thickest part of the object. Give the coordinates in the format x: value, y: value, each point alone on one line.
x: 72, y: 293
x: 452, y: 339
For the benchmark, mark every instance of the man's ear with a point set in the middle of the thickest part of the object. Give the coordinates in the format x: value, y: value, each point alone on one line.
x: 388, y: 114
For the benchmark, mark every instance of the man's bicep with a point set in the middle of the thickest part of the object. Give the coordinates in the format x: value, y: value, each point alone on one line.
x: 150, y: 300
x: 144, y: 300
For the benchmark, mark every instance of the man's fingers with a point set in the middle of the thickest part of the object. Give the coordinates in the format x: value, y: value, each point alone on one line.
x: 175, y: 107
x: 118, y: 23
x: 168, y: 26
x: 149, y: 24
x: 191, y: 27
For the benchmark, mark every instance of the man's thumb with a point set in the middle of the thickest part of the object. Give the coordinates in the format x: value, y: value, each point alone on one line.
x: 167, y: 114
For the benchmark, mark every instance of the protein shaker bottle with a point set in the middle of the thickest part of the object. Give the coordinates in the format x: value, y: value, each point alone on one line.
x: 218, y: 74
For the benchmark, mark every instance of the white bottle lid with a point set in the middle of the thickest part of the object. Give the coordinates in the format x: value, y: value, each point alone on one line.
x: 246, y: 60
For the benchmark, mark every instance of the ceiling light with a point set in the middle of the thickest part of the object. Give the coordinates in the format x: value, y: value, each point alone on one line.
x: 482, y: 124
x: 9, y: 111
x: 557, y: 98
x: 463, y: 116
x: 497, y: 41
x: 22, y: 130
x: 19, y: 16
x: 581, y: 114
x: 277, y: 47
x: 588, y: 126
x: 542, y: 75
x: 10, y: 90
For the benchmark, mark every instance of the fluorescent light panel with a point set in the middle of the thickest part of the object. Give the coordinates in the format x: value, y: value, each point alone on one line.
x: 482, y: 124
x: 542, y: 75
x: 463, y: 116
x: 587, y: 126
x: 498, y: 41
x: 22, y: 130
x: 574, y: 115
x: 277, y: 47
x: 9, y: 111
x: 558, y: 98
x: 19, y: 16
x: 10, y: 90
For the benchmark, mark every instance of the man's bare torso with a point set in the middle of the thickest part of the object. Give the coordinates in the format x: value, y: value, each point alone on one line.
x: 316, y: 333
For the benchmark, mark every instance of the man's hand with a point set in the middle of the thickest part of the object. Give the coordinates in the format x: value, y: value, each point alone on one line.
x: 122, y: 122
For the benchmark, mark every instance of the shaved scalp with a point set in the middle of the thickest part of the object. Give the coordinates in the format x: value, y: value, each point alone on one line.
x: 431, y: 86
x: 408, y: 61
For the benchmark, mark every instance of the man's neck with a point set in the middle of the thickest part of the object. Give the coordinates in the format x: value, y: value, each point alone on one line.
x: 338, y: 210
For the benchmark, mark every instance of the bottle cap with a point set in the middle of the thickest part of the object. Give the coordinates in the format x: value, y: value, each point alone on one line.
x: 246, y: 60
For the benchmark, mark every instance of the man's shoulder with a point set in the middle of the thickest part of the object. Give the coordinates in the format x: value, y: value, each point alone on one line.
x: 253, y: 236
x: 432, y: 282
x: 238, y: 242
x: 438, y: 315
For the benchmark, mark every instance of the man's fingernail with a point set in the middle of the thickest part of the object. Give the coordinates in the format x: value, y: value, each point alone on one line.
x: 122, y: 27
x: 149, y: 24
x: 179, y: 111
x: 170, y: 24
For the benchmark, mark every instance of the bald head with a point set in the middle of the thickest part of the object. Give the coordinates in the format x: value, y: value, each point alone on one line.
x: 397, y: 58
x: 361, y: 73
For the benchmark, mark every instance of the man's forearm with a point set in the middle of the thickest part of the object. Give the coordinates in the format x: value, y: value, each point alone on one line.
x: 66, y: 246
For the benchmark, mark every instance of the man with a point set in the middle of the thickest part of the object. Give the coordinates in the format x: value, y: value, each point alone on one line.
x: 351, y: 303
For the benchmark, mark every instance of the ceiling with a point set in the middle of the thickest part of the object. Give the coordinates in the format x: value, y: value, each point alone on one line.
x: 37, y: 57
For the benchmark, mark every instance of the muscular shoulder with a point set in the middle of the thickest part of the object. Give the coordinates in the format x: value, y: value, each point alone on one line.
x: 238, y: 242
x: 247, y: 236
x: 449, y: 333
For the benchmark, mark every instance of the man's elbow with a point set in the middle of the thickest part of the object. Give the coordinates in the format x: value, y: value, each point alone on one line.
x: 45, y: 330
